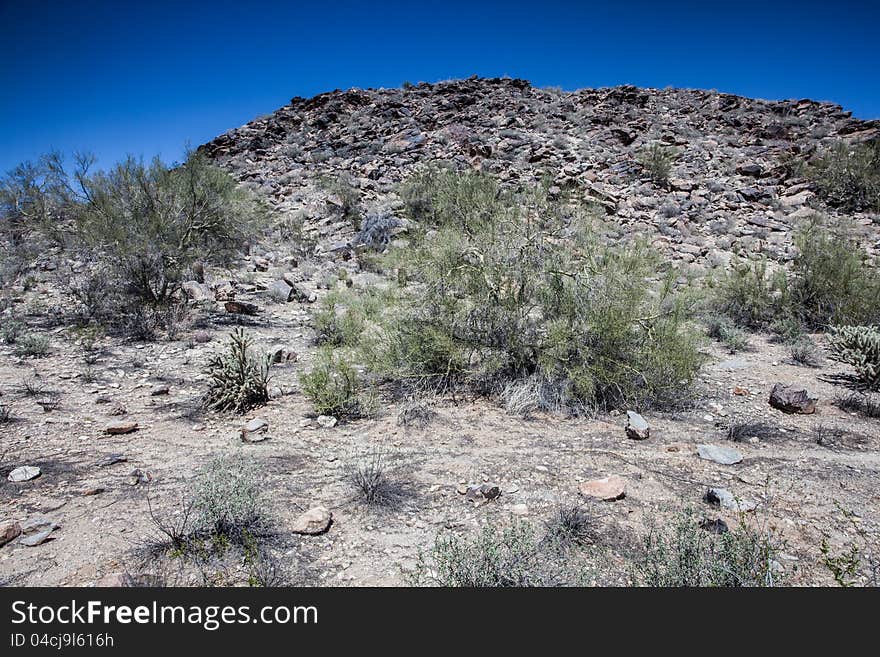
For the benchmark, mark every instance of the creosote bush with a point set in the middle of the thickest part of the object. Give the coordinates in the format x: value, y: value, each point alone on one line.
x: 506, y: 286
x: 685, y: 554
x: 238, y: 378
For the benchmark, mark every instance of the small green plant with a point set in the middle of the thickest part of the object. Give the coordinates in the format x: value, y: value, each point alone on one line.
x: 11, y: 330
x: 657, y: 161
x: 721, y: 328
x: 750, y: 295
x: 238, y: 379
x: 573, y: 525
x: 858, y: 346
x: 684, y: 554
x: 227, y: 499
x: 345, y: 196
x: 34, y: 346
x: 334, y: 387
x: 369, y: 476
x: 805, y: 352
x: 859, y: 561
x: 514, y: 556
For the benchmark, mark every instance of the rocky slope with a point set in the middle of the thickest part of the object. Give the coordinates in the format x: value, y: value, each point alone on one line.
x: 728, y: 191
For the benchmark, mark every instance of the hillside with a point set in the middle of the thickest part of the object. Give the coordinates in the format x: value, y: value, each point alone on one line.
x: 574, y: 397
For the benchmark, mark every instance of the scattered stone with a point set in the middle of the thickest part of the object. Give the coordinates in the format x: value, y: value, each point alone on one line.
x: 714, y: 525
x: 111, y: 459
x: 240, y: 308
x: 121, y: 427
x: 197, y: 292
x: 519, y: 509
x: 314, y: 521
x: 160, y: 390
x: 9, y: 530
x: 281, y: 354
x: 89, y: 492
x: 789, y: 399
x: 37, y: 524
x: 636, y: 426
x: 482, y: 493
x: 33, y: 540
x: 281, y: 291
x: 327, y: 421
x: 719, y: 454
x: 724, y: 498
x: 607, y: 489
x: 138, y: 476
x: 741, y: 392
x: 255, y: 430
x: 24, y: 473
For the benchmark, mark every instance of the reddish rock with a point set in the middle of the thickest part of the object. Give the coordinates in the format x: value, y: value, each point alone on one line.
x: 607, y: 489
x: 120, y: 427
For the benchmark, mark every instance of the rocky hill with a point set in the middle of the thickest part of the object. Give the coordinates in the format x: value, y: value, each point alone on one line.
x: 729, y: 188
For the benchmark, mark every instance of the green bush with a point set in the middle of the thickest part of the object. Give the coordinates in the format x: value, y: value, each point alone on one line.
x: 848, y: 176
x: 749, y: 295
x: 858, y: 346
x: 227, y: 498
x: 334, y: 387
x: 685, y: 554
x: 35, y: 346
x: 831, y: 279
x: 657, y: 162
x: 140, y: 229
x: 514, y: 556
x: 722, y: 328
x: 238, y: 380
x: 504, y: 287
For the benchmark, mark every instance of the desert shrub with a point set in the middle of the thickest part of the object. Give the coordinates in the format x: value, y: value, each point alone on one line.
x: 377, y: 229
x: 743, y: 430
x: 848, y: 176
x: 685, y: 554
x: 805, y: 352
x: 345, y: 196
x: 722, y: 328
x: 514, y: 556
x: 749, y: 295
x: 415, y: 413
x: 11, y: 330
x: 858, y: 346
x: 238, y: 379
x: 5, y: 414
x: 227, y: 499
x: 334, y: 386
x: 501, y: 288
x: 831, y: 281
x: 30, y: 344
x: 140, y: 228
x: 370, y: 477
x: 573, y: 525
x: 344, y: 315
x: 858, y: 562
x: 657, y: 162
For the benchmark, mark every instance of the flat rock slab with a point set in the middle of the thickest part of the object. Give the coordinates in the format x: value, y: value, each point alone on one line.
x: 327, y: 421
x: 281, y: 291
x: 719, y: 454
x: 33, y: 540
x: 606, y: 489
x: 120, y: 427
x: 724, y: 498
x: 24, y: 473
x: 636, y: 426
x: 789, y: 399
x: 314, y: 521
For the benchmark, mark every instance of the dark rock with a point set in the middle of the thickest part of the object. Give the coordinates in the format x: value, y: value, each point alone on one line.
x: 789, y: 399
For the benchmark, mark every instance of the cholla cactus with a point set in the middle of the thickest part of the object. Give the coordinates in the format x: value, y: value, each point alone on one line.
x: 858, y: 346
x: 239, y: 379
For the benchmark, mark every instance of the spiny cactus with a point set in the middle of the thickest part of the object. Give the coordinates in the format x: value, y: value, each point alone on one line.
x: 858, y: 346
x: 238, y: 379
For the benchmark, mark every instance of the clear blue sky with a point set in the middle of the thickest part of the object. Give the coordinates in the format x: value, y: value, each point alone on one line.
x: 146, y: 77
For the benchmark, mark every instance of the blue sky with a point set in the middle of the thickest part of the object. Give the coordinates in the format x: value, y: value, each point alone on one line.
x: 145, y: 78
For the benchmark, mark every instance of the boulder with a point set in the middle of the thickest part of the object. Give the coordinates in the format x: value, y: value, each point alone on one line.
x: 636, y: 426
x: 24, y: 473
x: 789, y: 399
x: 315, y: 521
x: 9, y: 530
